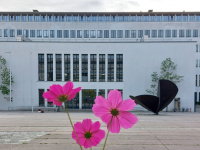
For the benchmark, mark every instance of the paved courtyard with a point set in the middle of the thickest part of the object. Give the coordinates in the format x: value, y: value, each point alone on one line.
x: 52, y: 131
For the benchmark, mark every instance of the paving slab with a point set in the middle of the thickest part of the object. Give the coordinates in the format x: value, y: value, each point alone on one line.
x: 51, y: 130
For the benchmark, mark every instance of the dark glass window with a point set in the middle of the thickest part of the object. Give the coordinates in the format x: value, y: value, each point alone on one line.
x: 59, y: 33
x: 106, y: 33
x: 72, y: 34
x: 41, y: 67
x: 119, y: 63
x: 101, y: 92
x: 49, y: 67
x: 75, y: 67
x: 26, y: 33
x: 195, y: 97
x: 19, y: 32
x: 140, y: 33
x: 32, y: 33
x: 12, y: 32
x: 67, y: 67
x: 93, y: 67
x: 86, y: 33
x: 88, y: 97
x: 147, y: 32
x: 52, y: 33
x: 5, y: 32
x: 49, y: 104
x: 58, y: 67
x: 127, y: 33
x: 174, y: 33
x: 110, y: 67
x: 84, y: 67
x: 41, y: 99
x: 39, y: 33
x: 181, y: 33
x: 66, y: 33
x: 101, y: 67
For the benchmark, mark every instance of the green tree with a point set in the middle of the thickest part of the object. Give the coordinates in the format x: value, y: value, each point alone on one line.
x: 5, y: 77
x: 167, y: 71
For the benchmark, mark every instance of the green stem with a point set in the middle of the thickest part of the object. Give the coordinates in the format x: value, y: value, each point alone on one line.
x: 90, y: 145
x: 107, y: 134
x: 73, y: 128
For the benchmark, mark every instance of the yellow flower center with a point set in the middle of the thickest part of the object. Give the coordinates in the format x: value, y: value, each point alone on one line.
x: 62, y: 98
x: 114, y: 112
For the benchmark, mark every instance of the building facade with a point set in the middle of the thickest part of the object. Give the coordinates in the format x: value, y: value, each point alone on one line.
x: 98, y: 52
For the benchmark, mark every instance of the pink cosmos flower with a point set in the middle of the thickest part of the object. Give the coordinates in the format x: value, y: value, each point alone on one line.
x: 116, y: 110
x: 88, y: 133
x: 58, y: 94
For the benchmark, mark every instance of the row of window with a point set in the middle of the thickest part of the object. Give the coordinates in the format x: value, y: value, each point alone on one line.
x: 197, y: 80
x: 88, y: 96
x: 100, y: 18
x: 197, y: 100
x: 69, y: 65
x: 100, y: 33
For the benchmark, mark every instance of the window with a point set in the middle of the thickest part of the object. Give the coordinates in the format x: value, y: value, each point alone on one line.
x: 39, y: 33
x: 119, y: 71
x: 37, y: 18
x: 62, y: 18
x: 24, y: 18
x: 72, y: 34
x: 140, y: 33
x: 18, y: 18
x: 0, y: 18
x: 152, y: 18
x: 94, y: 18
x: 32, y: 33
x: 99, y: 33
x: 100, y: 18
x: 178, y: 18
x: 41, y: 99
x: 79, y: 33
x: 5, y: 32
x: 86, y: 33
x: 56, y: 18
x: 75, y: 67
x: 165, y: 18
x: 66, y: 34
x: 146, y: 18
x: 75, y: 18
x: 133, y: 18
x: 59, y: 33
x: 154, y: 33
x: 120, y: 18
x: 191, y: 18
x: 174, y: 33
x: 5, y: 17
x: 113, y: 33
x: 101, y: 67
x: 12, y: 18
x: 110, y: 67
x: 58, y: 67
x: 139, y: 18
x: 185, y: 18
x: 92, y: 34
x: 49, y: 18
x: 0, y: 33
x: 46, y: 33
x: 81, y: 18
x: 106, y: 33
x: 197, y: 48
x: 197, y: 17
x: 159, y: 18
x: 67, y: 67
x: 147, y: 32
x: 133, y: 33
x: 171, y: 18
x: 49, y: 67
x: 113, y: 18
x: 52, y: 33
x: 30, y: 18
x: 41, y: 67
x: 196, y: 80
x: 195, y: 97
x: 188, y: 33
x: 19, y: 32
x: 43, y: 18
x: 93, y: 67
x: 196, y: 63
x: 160, y: 33
x: 195, y: 33
x: 127, y: 33
x: 107, y: 18
x: 181, y: 33
x: 88, y: 18
x: 119, y: 33
x: 126, y: 18
x: 12, y: 33
x: 167, y: 33
x: 26, y: 33
x: 69, y: 18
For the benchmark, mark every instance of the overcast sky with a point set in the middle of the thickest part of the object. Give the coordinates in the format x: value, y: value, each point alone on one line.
x: 100, y: 5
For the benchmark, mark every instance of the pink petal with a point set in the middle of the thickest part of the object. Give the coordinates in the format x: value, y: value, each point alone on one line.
x: 95, y: 141
x: 86, y: 144
x: 114, y: 98
x: 95, y: 127
x: 87, y: 124
x: 126, y: 105
x: 56, y: 89
x: 57, y: 103
x: 115, y: 125
x: 101, y: 101
x: 127, y: 119
x: 73, y: 93
x: 100, y: 111
x: 80, y: 136
x: 78, y: 127
x: 49, y: 95
x: 67, y: 87
x: 99, y: 134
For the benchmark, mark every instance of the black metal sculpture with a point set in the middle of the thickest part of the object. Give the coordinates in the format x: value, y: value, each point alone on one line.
x: 167, y: 90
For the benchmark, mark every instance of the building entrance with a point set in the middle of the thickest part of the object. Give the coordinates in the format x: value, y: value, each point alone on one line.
x: 88, y: 97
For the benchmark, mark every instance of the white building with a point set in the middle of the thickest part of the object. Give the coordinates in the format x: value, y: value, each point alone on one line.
x: 98, y: 52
